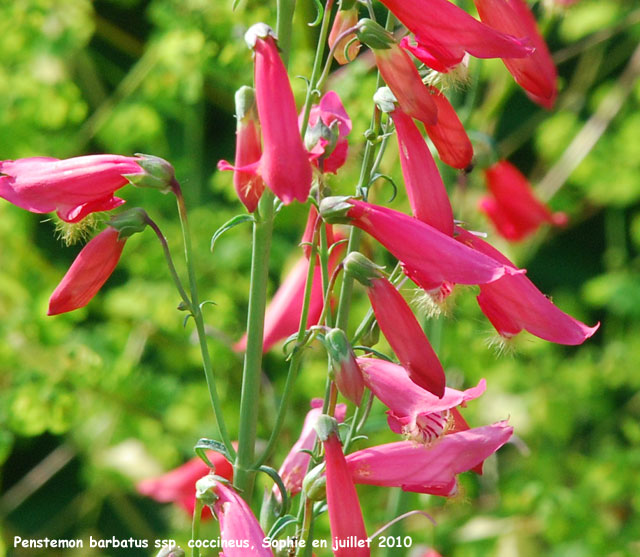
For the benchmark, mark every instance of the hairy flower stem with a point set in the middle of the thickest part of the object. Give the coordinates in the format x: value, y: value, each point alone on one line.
x: 196, y: 312
x: 244, y: 469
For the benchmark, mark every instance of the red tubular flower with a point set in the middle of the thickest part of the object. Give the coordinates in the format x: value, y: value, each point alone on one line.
x: 348, y: 533
x: 536, y: 74
x: 284, y: 165
x: 448, y: 133
x: 294, y: 466
x: 344, y: 20
x: 90, y: 270
x: 513, y: 209
x: 406, y: 337
x: 238, y: 524
x: 513, y: 303
x: 402, y: 77
x: 329, y: 126
x: 413, y: 412
x: 427, y: 469
x: 247, y: 183
x: 428, y: 256
x: 427, y: 194
x: 71, y: 187
x: 179, y: 485
x: 446, y: 32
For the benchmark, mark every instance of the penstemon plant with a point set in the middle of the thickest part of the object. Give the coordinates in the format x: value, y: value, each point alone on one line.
x: 285, y: 155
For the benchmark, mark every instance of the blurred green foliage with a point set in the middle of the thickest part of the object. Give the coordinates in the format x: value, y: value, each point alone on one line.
x: 91, y: 402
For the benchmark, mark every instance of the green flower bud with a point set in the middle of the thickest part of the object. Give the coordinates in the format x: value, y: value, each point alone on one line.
x: 345, y: 369
x: 314, y: 484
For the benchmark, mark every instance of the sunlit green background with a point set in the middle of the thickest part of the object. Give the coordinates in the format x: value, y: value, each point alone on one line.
x: 93, y: 401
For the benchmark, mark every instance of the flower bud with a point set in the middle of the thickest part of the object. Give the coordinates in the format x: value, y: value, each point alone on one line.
x: 345, y: 370
x: 361, y: 268
x: 314, y: 484
x: 158, y: 174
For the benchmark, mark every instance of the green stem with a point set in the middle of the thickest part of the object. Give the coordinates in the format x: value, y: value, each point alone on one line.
x: 244, y: 470
x: 195, y: 527
x: 169, y: 259
x: 196, y: 312
x: 317, y: 65
x: 305, y: 532
x: 284, y: 24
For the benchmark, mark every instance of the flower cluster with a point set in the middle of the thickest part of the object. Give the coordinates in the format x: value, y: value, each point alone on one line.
x: 288, y: 154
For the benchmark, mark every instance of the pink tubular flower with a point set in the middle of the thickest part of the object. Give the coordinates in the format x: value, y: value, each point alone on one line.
x: 513, y: 303
x: 238, y: 524
x: 445, y: 32
x: 90, y: 270
x: 402, y: 77
x: 448, y: 134
x: 427, y: 194
x: 247, y: 183
x: 512, y: 207
x: 282, y: 316
x: 428, y: 256
x: 284, y: 165
x: 329, y: 125
x: 71, y: 187
x: 294, y: 466
x: 536, y: 74
x: 427, y: 469
x: 348, y: 533
x: 344, y: 20
x: 413, y: 412
x: 406, y: 337
x: 179, y: 485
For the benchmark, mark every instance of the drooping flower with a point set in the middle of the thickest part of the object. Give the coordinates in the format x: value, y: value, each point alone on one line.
x: 448, y: 133
x: 179, y: 485
x: 294, y: 466
x: 326, y: 136
x: 72, y: 187
x: 413, y: 411
x: 445, y: 32
x: 346, y: 18
x: 512, y: 206
x: 240, y: 531
x: 513, y: 303
x: 246, y: 181
x: 426, y: 191
x: 427, y: 469
x: 284, y: 165
x: 537, y: 73
x: 400, y: 327
x: 428, y: 256
x: 399, y: 72
x: 348, y: 533
x: 89, y: 271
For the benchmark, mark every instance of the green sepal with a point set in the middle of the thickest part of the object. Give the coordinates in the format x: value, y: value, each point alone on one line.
x: 158, y: 174
x: 129, y: 222
x: 374, y: 35
x: 334, y: 209
x: 361, y: 268
x: 325, y: 426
